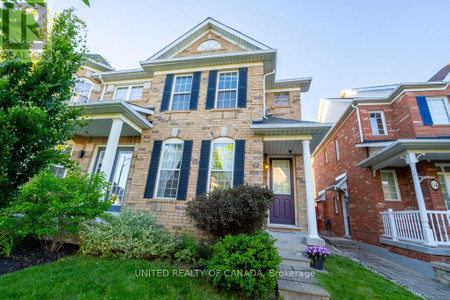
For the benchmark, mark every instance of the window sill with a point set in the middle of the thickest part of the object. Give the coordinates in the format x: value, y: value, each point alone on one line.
x: 226, y: 109
x: 282, y: 106
x: 178, y: 111
x: 440, y: 125
x: 167, y: 200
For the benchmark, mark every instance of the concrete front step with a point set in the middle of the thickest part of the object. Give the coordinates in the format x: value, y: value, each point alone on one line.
x: 295, y: 261
x: 291, y: 247
x: 341, y: 242
x: 293, y: 290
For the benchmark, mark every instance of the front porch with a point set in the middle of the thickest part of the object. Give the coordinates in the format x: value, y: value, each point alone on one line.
x: 288, y: 172
x: 108, y: 142
x: 416, y: 198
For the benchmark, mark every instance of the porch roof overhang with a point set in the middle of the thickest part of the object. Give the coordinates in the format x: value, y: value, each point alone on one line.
x: 102, y: 113
x: 284, y: 136
x: 391, y: 156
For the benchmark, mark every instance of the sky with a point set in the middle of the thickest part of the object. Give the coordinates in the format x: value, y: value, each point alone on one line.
x: 341, y: 44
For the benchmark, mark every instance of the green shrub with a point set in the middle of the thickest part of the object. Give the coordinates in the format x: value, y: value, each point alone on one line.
x: 127, y: 235
x: 242, y: 209
x: 49, y: 207
x: 246, y: 264
x: 188, y: 251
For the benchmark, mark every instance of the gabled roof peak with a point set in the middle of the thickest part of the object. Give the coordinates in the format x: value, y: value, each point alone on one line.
x: 209, y: 24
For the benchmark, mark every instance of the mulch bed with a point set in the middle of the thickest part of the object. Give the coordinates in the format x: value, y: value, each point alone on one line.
x: 22, y: 258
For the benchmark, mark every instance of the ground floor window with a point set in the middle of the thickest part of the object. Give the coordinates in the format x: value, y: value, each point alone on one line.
x: 169, y: 170
x: 222, y: 162
x: 60, y: 170
x: 390, y: 185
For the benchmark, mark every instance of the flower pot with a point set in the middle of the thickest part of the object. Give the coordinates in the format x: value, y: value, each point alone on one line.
x: 318, y: 263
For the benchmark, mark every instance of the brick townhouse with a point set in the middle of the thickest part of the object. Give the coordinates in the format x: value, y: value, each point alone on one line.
x: 205, y: 112
x: 382, y: 173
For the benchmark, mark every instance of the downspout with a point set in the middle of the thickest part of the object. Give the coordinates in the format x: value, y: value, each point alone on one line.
x: 103, y: 85
x: 359, y: 122
x: 264, y: 93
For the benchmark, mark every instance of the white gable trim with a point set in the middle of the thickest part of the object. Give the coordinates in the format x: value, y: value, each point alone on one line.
x: 205, y: 26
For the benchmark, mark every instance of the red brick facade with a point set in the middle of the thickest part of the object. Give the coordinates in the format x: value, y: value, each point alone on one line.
x: 366, y: 197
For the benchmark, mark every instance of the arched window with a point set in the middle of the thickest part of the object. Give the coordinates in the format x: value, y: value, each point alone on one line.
x: 209, y: 45
x: 222, y: 164
x: 169, y: 169
x: 83, y: 90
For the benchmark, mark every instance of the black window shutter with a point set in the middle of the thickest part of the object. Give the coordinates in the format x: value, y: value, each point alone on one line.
x: 195, y: 90
x: 239, y: 162
x: 184, y: 172
x: 166, y: 94
x: 203, y: 166
x: 153, y: 170
x: 242, y: 88
x: 211, y: 93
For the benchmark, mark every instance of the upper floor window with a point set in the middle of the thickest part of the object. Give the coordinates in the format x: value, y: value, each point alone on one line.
x: 129, y: 92
x: 209, y: 45
x: 227, y: 90
x: 281, y: 99
x: 378, y: 123
x: 181, y: 95
x: 83, y: 90
x: 389, y: 182
x: 338, y: 155
x: 439, y: 110
x: 169, y: 170
x: 222, y: 162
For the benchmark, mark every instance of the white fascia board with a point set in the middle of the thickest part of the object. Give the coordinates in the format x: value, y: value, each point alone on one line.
x: 374, y: 144
x: 208, y: 24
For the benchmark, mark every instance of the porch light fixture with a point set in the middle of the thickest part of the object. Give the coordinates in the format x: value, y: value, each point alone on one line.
x: 81, y: 154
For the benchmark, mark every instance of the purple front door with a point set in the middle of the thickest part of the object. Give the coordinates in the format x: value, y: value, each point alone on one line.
x: 281, y: 183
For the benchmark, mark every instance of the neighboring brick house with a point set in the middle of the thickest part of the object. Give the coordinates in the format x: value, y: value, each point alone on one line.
x: 204, y: 112
x: 389, y: 149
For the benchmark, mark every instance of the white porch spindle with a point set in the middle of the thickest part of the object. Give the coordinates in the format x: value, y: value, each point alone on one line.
x: 111, y: 147
x: 311, y: 209
x: 392, y: 226
x: 411, y: 160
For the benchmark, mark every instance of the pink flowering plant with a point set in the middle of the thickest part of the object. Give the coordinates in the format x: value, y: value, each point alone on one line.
x: 318, y: 252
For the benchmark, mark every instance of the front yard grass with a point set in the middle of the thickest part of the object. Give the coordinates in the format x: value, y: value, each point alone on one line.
x: 348, y: 280
x: 82, y: 277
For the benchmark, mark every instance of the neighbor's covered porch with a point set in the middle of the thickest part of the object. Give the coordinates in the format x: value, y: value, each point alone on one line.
x: 109, y: 122
x: 288, y: 171
x: 415, y: 184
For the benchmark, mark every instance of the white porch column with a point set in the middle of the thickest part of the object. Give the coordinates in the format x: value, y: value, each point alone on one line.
x: 111, y: 147
x: 411, y: 160
x: 345, y: 215
x: 310, y: 206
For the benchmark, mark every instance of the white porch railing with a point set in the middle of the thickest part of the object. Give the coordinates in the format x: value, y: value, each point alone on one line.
x: 406, y: 225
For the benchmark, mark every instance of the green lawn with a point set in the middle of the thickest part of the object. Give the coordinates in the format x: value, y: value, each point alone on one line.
x: 81, y: 277
x: 348, y: 280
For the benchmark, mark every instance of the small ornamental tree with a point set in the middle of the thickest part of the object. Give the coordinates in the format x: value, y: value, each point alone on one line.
x: 49, y: 207
x: 34, y: 115
x: 242, y: 209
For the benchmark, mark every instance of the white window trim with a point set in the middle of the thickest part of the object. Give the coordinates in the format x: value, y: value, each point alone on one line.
x: 129, y: 87
x: 172, y: 92
x: 336, y: 144
x: 168, y: 141
x: 75, y: 94
x: 227, y: 90
x: 336, y: 205
x: 397, y: 187
x: 326, y: 156
x: 220, y: 140
x: 383, y: 121
x: 447, y: 106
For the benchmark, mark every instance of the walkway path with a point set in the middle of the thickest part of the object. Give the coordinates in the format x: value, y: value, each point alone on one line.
x: 413, y: 281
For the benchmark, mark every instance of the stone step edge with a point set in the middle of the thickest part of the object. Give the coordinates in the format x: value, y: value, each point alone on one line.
x: 322, y: 293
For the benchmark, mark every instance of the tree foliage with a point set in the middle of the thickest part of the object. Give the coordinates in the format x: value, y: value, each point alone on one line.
x: 34, y: 115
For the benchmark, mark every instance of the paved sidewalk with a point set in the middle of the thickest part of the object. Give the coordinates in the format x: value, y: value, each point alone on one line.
x: 413, y: 281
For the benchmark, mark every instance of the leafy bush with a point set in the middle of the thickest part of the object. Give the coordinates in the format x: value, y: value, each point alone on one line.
x: 242, y: 209
x: 246, y: 264
x: 188, y: 251
x: 50, y: 207
x: 127, y: 235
